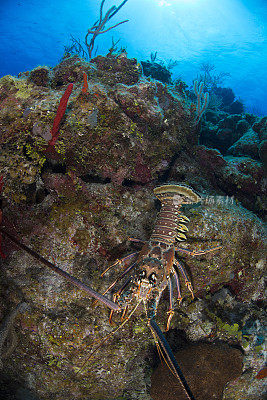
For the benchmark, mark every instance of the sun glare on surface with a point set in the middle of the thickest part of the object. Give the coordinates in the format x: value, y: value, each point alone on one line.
x: 167, y: 3
x: 162, y: 3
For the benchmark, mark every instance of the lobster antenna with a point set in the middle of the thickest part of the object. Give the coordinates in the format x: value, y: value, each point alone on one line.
x: 91, y: 292
x: 106, y: 338
x: 171, y: 359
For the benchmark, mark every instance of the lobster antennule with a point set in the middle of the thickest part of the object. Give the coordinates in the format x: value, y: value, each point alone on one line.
x: 106, y: 338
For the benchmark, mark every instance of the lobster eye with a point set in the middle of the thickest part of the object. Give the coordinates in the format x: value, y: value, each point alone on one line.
x: 152, y: 278
x: 142, y: 274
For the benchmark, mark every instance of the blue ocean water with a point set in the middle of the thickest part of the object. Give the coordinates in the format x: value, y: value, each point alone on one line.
x: 229, y: 34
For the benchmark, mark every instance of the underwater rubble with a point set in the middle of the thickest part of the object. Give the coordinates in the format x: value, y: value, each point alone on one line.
x: 82, y: 147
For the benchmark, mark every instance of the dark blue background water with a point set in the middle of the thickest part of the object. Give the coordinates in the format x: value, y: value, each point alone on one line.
x: 231, y: 34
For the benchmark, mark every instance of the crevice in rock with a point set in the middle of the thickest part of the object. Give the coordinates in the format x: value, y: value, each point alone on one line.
x: 55, y: 167
x: 165, y: 175
x: 91, y: 178
x: 132, y: 183
x: 34, y: 195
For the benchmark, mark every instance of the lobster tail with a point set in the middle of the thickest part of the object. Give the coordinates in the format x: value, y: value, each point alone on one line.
x: 170, y: 225
x: 185, y: 193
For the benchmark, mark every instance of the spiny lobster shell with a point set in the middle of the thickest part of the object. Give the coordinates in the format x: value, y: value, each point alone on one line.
x: 155, y: 264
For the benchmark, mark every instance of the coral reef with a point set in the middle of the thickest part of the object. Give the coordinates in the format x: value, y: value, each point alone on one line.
x: 117, y: 137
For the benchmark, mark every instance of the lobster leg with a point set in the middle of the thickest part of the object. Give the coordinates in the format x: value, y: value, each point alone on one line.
x: 120, y: 262
x: 136, y: 240
x: 116, y: 280
x: 111, y: 311
x: 197, y: 253
x: 186, y: 279
x: 170, y: 312
x: 119, y: 278
x: 177, y: 282
x: 124, y: 313
x: 116, y: 296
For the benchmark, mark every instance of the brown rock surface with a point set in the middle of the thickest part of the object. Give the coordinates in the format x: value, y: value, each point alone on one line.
x: 206, y: 367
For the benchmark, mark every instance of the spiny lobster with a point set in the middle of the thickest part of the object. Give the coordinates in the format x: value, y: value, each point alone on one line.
x: 153, y: 268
